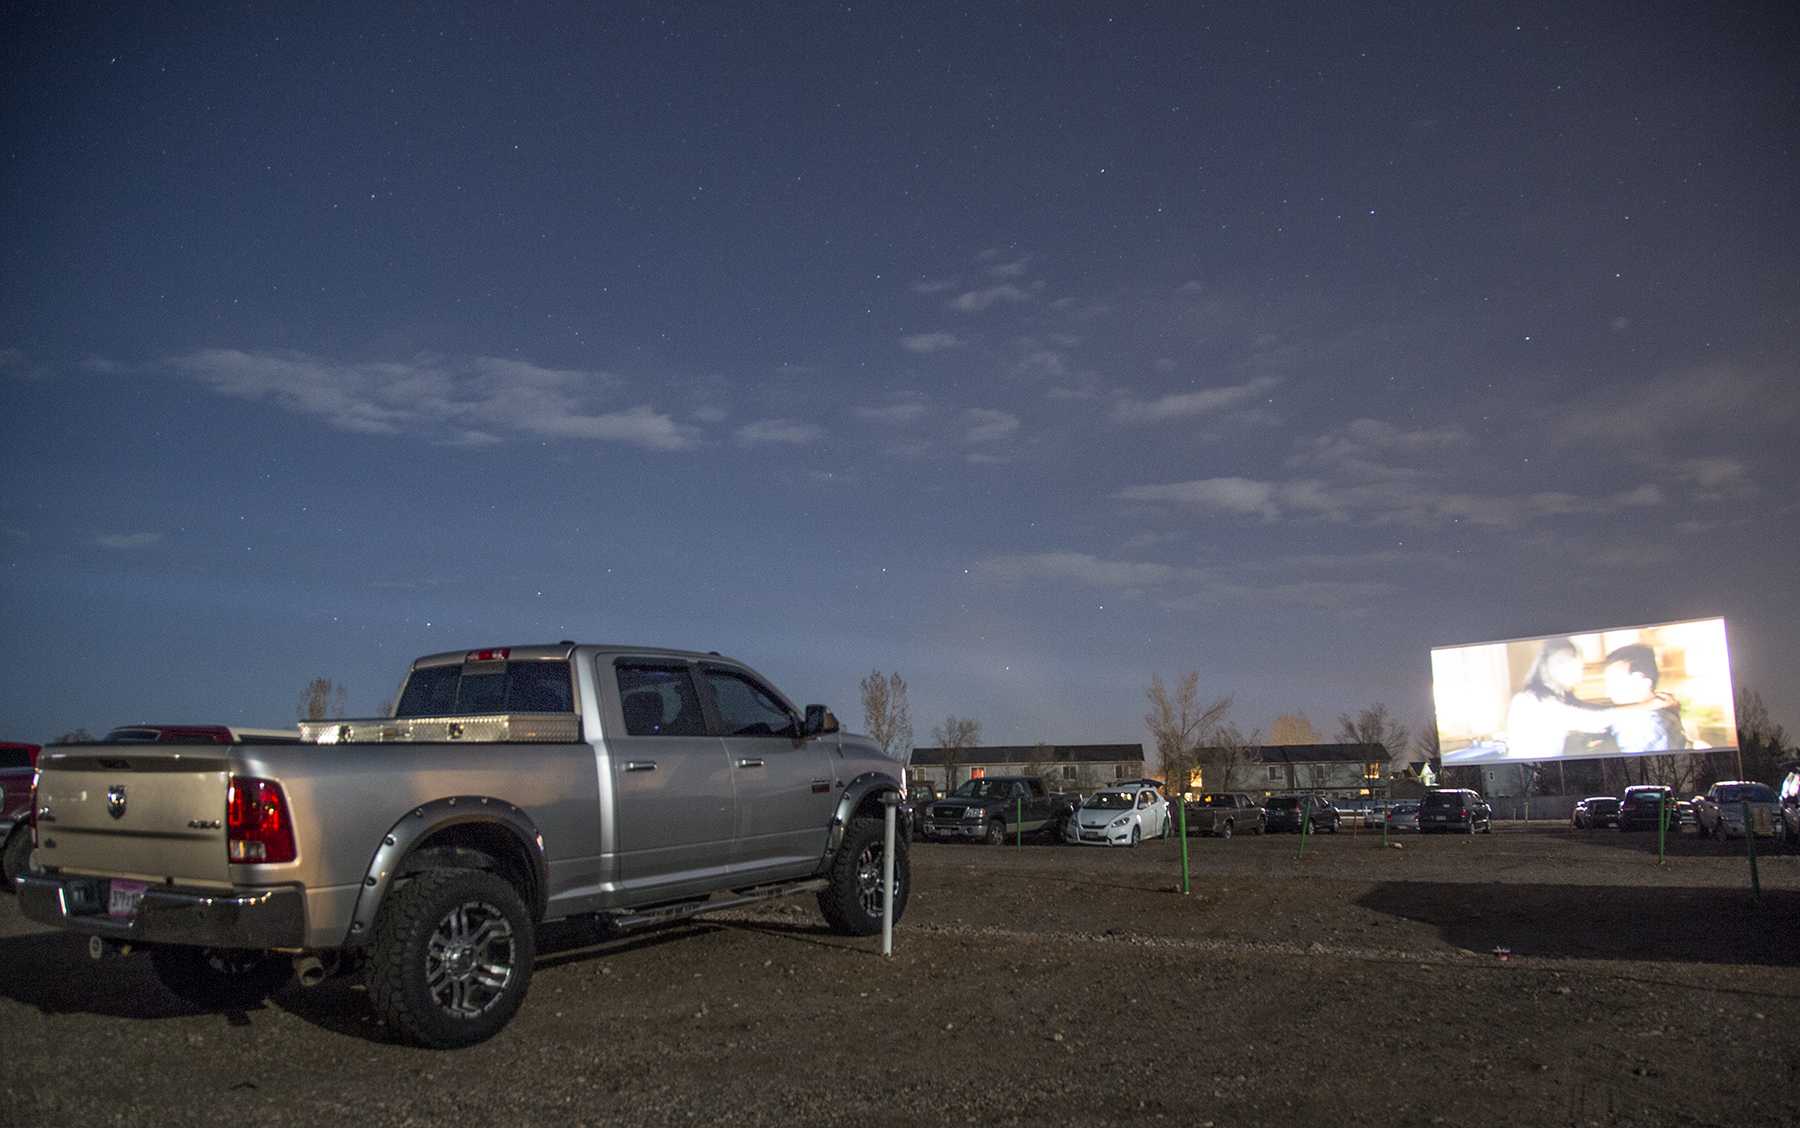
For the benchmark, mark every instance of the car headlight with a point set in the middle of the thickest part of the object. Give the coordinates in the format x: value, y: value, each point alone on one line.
x: 1121, y: 820
x: 971, y: 812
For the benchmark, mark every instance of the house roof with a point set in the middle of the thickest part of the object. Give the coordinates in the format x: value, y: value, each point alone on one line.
x: 1034, y: 754
x: 1314, y: 753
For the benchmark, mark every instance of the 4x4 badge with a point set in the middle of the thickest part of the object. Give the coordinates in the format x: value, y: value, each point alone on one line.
x: 115, y: 800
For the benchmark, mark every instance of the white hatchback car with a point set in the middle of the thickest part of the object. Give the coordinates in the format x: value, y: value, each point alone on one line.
x: 1119, y: 816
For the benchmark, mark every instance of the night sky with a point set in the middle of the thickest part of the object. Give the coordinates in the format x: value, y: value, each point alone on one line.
x: 1027, y: 350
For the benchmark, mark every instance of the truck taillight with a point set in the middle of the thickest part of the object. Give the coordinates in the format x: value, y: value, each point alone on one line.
x: 31, y: 815
x: 495, y: 654
x: 258, y: 830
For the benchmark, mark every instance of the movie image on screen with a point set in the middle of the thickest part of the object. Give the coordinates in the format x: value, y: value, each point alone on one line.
x: 1629, y: 691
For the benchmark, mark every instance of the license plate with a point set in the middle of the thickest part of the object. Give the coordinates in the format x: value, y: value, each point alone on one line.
x: 124, y: 897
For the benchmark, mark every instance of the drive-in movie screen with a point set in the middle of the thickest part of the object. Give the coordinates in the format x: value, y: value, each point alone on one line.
x: 1629, y: 691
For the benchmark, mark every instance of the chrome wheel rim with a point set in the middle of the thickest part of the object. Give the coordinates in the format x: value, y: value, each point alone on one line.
x: 868, y: 879
x: 469, y: 959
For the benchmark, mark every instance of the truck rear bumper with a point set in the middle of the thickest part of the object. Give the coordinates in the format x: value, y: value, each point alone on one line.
x: 262, y: 918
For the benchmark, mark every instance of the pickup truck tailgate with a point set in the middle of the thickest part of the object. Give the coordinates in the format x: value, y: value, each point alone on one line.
x: 149, y: 813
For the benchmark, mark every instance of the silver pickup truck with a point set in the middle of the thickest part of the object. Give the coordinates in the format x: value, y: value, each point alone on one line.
x: 509, y: 787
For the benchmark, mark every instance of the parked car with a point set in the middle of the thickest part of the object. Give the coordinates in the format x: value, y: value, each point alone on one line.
x: 1722, y: 810
x: 1643, y: 805
x: 1120, y: 816
x: 1594, y: 812
x: 1293, y: 812
x: 1790, y: 803
x: 200, y: 734
x: 920, y: 795
x: 1222, y: 814
x: 513, y: 787
x: 995, y: 809
x: 1403, y: 816
x: 1455, y: 809
x: 18, y: 765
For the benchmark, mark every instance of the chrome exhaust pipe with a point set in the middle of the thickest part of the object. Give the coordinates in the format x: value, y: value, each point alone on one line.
x: 312, y: 971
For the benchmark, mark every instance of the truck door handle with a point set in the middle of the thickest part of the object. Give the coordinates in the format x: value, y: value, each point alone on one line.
x: 640, y: 765
x: 757, y: 763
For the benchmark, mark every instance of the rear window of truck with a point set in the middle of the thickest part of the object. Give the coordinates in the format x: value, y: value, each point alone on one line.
x: 499, y: 687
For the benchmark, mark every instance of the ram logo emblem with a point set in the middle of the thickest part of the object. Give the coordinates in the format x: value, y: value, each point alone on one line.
x: 115, y: 800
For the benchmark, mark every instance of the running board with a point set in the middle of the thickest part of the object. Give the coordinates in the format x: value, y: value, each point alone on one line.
x: 642, y: 917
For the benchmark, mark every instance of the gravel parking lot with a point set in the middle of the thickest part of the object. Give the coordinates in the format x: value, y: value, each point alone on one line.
x: 1042, y: 985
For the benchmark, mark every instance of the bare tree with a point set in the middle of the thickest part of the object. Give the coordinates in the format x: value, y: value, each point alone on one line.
x: 1045, y: 766
x: 1293, y: 728
x: 955, y: 737
x: 320, y: 699
x: 1426, y: 745
x: 1762, y: 743
x: 1225, y: 760
x: 1181, y: 727
x: 1374, y: 725
x: 887, y: 717
x: 75, y: 736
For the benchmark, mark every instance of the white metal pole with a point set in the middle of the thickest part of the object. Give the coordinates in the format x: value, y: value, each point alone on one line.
x: 887, y: 877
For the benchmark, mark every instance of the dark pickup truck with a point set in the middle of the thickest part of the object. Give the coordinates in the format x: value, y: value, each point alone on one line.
x: 994, y: 808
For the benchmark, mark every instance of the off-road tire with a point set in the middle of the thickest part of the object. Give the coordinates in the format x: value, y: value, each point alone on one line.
x: 401, y: 951
x: 996, y: 833
x: 842, y: 901
x: 220, y: 978
x: 16, y: 858
x: 1225, y: 831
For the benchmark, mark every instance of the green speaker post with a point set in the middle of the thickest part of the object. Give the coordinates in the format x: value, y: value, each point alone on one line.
x: 1181, y: 805
x: 1750, y: 845
x: 1662, y: 823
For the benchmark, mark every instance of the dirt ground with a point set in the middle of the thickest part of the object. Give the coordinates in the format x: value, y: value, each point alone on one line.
x: 1040, y: 985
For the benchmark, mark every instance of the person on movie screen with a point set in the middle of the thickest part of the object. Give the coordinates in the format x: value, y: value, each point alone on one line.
x: 1631, y: 677
x: 1548, y: 720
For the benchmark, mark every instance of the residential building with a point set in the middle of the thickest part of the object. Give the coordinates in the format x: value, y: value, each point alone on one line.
x: 1065, y: 767
x: 1336, y: 771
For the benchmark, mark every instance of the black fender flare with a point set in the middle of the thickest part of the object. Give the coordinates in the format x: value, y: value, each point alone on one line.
x: 427, y: 819
x: 855, y: 792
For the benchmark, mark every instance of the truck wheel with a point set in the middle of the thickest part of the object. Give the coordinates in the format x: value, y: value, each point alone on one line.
x: 17, y: 857
x: 996, y: 833
x: 1225, y: 831
x: 220, y: 978
x: 851, y: 902
x: 451, y: 957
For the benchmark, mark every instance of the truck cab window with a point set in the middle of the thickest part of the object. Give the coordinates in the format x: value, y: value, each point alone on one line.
x: 660, y: 701
x: 745, y: 708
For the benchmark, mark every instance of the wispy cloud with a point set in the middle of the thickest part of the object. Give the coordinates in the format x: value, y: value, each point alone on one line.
x: 1715, y: 479
x: 790, y: 432
x: 985, y: 425
x: 475, y: 400
x: 901, y: 412
x: 1637, y: 418
x: 1402, y: 501
x: 974, y: 301
x: 935, y: 286
x: 1185, y: 405
x: 18, y: 365
x: 930, y: 342
x: 1016, y: 268
x: 126, y: 541
x: 1080, y: 568
x: 1365, y: 444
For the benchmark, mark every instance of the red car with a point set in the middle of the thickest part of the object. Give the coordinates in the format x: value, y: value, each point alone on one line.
x: 18, y: 764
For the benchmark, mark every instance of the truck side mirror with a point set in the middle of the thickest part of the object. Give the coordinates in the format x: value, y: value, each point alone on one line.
x: 819, y: 722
